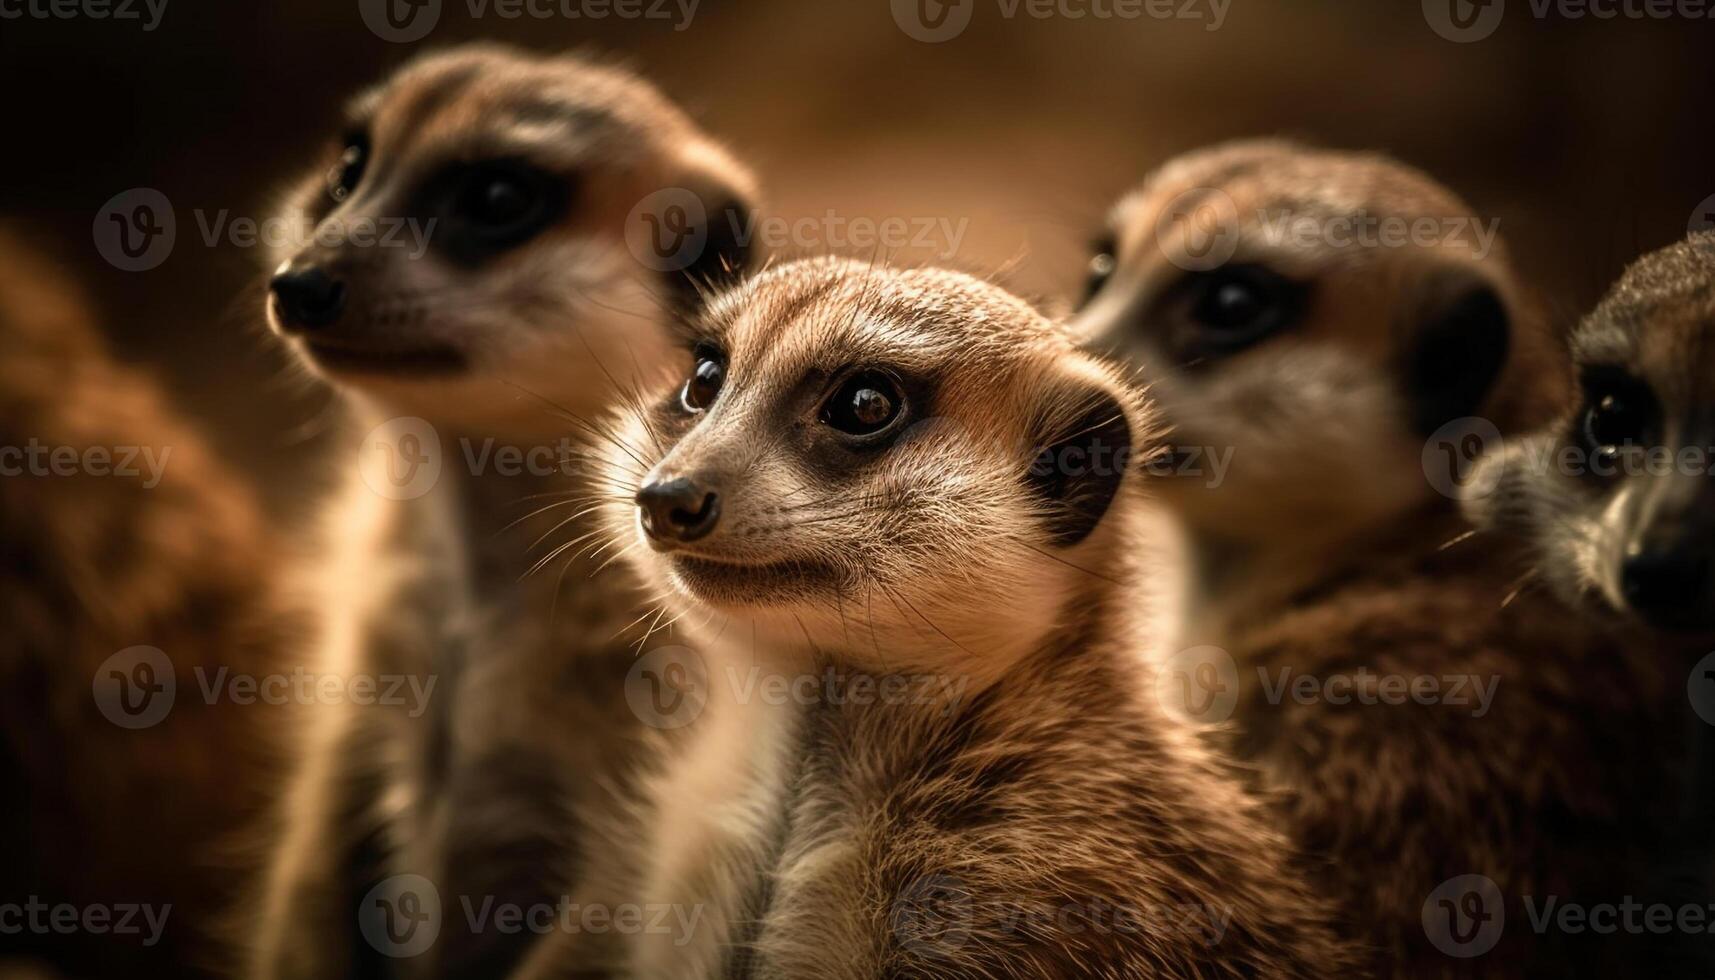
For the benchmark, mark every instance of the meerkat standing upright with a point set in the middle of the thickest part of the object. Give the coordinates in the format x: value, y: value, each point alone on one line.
x: 877, y: 476
x: 515, y: 324
x: 1418, y: 717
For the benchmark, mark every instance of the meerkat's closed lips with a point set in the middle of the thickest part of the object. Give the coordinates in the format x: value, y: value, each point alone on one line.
x: 358, y: 360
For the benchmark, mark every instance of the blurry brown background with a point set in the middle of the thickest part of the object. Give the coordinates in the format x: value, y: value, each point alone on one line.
x: 1589, y: 139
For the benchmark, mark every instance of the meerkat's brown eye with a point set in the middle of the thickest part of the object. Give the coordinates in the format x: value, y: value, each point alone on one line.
x: 1618, y: 412
x: 867, y: 403
x: 705, y: 382
x: 346, y: 173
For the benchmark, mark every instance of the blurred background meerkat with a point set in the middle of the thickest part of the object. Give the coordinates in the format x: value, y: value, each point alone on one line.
x: 1326, y: 365
x: 525, y: 315
x: 126, y: 531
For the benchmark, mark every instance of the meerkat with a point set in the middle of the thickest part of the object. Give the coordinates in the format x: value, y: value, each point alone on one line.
x: 1612, y: 499
x: 1619, y: 537
x: 121, y: 528
x: 1331, y: 370
x: 526, y: 314
x: 892, y: 474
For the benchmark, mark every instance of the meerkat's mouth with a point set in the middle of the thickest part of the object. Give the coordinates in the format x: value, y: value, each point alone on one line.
x: 745, y: 584
x: 347, y: 358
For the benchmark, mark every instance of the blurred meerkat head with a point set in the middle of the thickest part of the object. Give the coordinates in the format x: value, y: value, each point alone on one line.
x: 1617, y: 495
x: 1304, y: 320
x: 470, y: 227
x: 892, y: 464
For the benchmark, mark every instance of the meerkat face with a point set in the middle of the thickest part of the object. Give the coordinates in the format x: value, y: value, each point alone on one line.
x: 469, y: 227
x: 1618, y: 496
x: 1299, y: 350
x: 877, y: 461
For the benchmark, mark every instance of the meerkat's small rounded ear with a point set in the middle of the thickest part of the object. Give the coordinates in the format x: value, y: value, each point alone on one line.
x: 1082, y: 450
x: 728, y: 246
x: 1455, y: 341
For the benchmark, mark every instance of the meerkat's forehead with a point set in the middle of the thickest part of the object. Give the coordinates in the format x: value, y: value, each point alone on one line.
x: 490, y: 100
x: 1659, y: 317
x: 1266, y: 189
x: 827, y: 313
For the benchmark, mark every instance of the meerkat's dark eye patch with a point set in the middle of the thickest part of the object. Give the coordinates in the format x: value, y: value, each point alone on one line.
x: 866, y: 406
x: 490, y: 207
x: 708, y: 376
x: 1079, y: 473
x: 347, y: 171
x: 1104, y: 259
x: 1235, y: 306
x: 1619, y: 410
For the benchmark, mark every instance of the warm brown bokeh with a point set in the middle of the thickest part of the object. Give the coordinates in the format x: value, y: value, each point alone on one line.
x: 1588, y: 138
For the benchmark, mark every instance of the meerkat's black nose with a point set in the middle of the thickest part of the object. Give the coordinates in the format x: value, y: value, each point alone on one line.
x: 1670, y: 587
x: 678, y: 510
x: 307, y: 297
